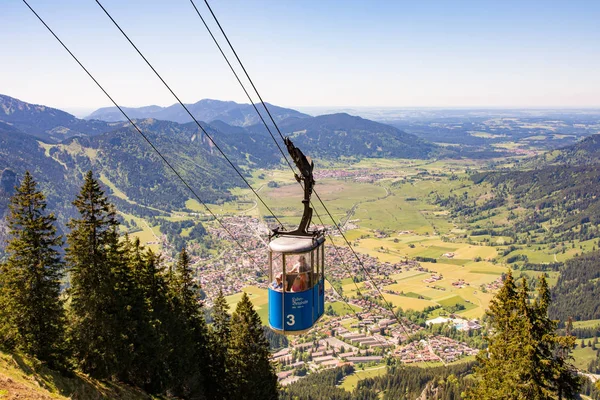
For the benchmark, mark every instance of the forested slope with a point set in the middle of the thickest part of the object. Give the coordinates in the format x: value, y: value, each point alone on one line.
x: 577, y: 292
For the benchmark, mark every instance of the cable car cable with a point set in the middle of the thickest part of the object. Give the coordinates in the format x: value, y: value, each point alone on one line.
x: 257, y: 111
x: 243, y: 68
x: 281, y: 135
x: 139, y: 131
x: 240, y: 82
x: 187, y: 110
x: 153, y: 146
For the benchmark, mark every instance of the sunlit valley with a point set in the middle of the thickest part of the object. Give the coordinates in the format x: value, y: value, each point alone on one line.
x: 260, y: 200
x: 432, y: 237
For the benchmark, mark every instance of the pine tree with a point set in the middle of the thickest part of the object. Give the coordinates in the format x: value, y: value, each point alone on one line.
x: 253, y: 376
x: 149, y: 368
x: 525, y: 358
x: 32, y: 314
x: 496, y: 376
x: 94, y: 258
x: 220, y: 336
x: 189, y: 359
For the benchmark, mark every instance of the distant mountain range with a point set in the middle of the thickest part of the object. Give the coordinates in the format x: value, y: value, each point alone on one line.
x: 208, y: 110
x: 58, y: 148
x: 46, y: 123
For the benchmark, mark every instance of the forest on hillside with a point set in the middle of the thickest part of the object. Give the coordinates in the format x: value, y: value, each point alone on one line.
x: 124, y: 314
x: 577, y: 291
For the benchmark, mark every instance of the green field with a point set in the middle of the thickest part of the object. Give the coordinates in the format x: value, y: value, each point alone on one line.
x: 587, y: 324
x: 394, y: 218
x: 583, y: 356
x: 342, y: 308
x: 349, y: 383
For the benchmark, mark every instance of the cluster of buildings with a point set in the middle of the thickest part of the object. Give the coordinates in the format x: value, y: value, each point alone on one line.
x: 367, y: 336
x: 235, y: 268
x: 459, y: 323
x: 433, y: 349
x: 495, y: 285
x: 369, y: 340
x: 433, y: 278
x: 363, y: 175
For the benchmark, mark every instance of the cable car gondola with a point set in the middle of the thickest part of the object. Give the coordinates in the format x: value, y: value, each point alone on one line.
x: 297, y: 264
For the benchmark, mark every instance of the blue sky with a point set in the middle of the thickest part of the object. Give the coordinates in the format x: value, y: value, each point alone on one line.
x: 310, y: 53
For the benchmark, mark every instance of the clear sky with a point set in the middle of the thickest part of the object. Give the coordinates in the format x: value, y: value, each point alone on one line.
x: 388, y: 53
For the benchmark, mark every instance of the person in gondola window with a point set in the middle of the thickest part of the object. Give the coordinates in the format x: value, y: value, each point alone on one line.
x: 276, y: 284
x: 300, y: 266
x: 299, y: 284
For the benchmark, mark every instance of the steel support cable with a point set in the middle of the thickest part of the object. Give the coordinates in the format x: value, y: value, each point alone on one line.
x: 254, y: 105
x: 239, y: 81
x: 260, y: 115
x: 314, y: 190
x: 154, y: 147
x: 140, y: 131
x: 188, y: 111
x: 244, y: 69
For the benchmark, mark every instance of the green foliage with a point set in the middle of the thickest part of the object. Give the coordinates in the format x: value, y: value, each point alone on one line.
x: 277, y: 341
x: 252, y: 372
x: 152, y: 310
x: 590, y: 389
x: 220, y: 336
x: 188, y: 332
x: 577, y: 290
x: 98, y: 310
x: 31, y: 311
x: 565, y: 194
x: 319, y: 386
x: 128, y: 318
x: 406, y: 383
x: 525, y: 358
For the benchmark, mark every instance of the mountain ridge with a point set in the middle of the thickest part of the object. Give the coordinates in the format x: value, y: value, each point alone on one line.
x: 46, y: 123
x: 230, y: 112
x: 117, y: 153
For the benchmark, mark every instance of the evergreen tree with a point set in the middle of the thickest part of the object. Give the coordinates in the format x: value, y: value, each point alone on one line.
x: 31, y: 311
x: 559, y: 376
x: 189, y: 359
x: 525, y: 358
x: 253, y: 376
x: 220, y: 335
x: 95, y: 257
x: 148, y: 308
x: 497, y: 377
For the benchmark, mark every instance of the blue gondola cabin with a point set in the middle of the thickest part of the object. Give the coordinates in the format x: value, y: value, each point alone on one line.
x: 296, y: 292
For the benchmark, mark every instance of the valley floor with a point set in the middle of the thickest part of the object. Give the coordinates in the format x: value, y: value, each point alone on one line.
x: 432, y: 266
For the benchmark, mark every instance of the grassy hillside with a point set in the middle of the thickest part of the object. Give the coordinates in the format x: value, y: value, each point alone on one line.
x: 25, y: 378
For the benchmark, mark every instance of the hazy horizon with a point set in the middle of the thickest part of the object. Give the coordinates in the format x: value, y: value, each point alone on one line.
x: 464, y: 54
x: 82, y: 112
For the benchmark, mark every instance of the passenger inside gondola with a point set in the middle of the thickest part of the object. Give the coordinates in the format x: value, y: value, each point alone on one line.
x: 300, y: 266
x: 299, y: 283
x: 276, y: 284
